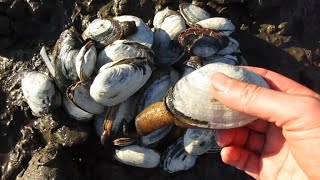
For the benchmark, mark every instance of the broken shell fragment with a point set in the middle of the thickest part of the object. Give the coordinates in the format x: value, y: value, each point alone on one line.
x: 39, y: 91
x: 198, y: 141
x: 137, y: 156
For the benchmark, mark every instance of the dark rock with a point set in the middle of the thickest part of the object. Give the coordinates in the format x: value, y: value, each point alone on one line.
x: 28, y: 27
x: 4, y: 5
x: 5, y: 42
x: 18, y: 10
x: 50, y: 163
x: 4, y: 25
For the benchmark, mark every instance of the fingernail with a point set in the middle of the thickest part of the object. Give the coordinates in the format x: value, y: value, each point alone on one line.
x: 219, y: 81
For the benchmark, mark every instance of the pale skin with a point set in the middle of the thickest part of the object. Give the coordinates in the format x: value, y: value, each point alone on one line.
x: 284, y: 143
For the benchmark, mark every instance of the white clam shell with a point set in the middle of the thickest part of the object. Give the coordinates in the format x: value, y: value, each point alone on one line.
x: 74, y: 111
x: 198, y: 141
x: 82, y: 99
x: 223, y: 25
x: 143, y: 35
x: 201, y: 109
x: 119, y: 50
x: 39, y: 91
x: 103, y: 31
x: 137, y: 156
x: 192, y: 13
x: 177, y: 159
x: 98, y: 123
x: 117, y: 83
x: 85, y: 62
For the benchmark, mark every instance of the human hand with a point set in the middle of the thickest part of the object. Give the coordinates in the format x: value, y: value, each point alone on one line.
x: 284, y: 142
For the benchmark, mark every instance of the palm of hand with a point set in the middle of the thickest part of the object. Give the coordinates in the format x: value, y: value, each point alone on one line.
x: 261, y: 150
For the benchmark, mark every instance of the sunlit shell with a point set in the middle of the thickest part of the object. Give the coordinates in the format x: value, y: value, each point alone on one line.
x: 201, y: 109
x: 123, y: 49
x: 223, y: 25
x: 192, y: 14
x: 118, y: 82
x: 143, y: 34
x: 39, y: 91
x: 137, y: 156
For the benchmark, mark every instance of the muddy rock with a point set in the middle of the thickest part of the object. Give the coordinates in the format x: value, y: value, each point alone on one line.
x: 49, y: 163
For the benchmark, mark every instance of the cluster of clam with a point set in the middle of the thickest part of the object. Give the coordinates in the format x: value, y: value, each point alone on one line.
x: 142, y: 81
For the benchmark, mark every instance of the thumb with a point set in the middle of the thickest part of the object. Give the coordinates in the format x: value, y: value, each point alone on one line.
x: 267, y: 104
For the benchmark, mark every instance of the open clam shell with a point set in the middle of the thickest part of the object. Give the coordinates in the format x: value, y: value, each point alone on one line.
x: 79, y: 94
x: 198, y: 141
x: 115, y: 84
x: 192, y: 13
x: 137, y: 156
x: 202, y: 42
x: 39, y: 91
x: 177, y: 159
x: 191, y: 102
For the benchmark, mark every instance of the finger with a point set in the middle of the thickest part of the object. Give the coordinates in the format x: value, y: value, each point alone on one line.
x: 281, y: 83
x: 266, y: 104
x: 259, y: 125
x: 241, y: 137
x: 241, y: 159
x: 236, y: 136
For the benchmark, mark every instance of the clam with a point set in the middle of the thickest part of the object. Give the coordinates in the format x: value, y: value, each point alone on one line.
x: 177, y: 159
x: 123, y: 49
x: 198, y: 141
x: 116, y: 123
x: 39, y: 91
x: 122, y: 79
x: 143, y: 35
x: 202, y: 42
x: 104, y: 31
x: 233, y: 47
x: 227, y: 59
x: 192, y: 13
x: 168, y: 25
x: 137, y: 156
x: 223, y: 25
x: 190, y: 103
x: 70, y: 61
x: 79, y: 94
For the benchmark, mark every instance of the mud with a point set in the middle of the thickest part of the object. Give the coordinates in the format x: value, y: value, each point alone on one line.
x: 280, y: 35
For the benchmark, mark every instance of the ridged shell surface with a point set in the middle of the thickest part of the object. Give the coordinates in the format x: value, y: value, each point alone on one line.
x: 137, y: 156
x: 192, y: 14
x: 117, y: 83
x: 191, y: 101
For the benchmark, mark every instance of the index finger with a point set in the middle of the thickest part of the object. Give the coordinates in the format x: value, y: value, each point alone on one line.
x: 281, y: 83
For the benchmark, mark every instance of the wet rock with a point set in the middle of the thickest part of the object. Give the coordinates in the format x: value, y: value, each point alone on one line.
x: 55, y: 131
x: 29, y: 27
x: 21, y: 154
x: 50, y: 163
